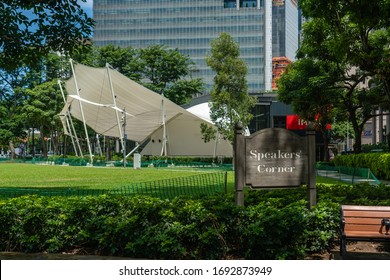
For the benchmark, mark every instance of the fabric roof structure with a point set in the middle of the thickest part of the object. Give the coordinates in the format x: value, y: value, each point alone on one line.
x: 101, y: 96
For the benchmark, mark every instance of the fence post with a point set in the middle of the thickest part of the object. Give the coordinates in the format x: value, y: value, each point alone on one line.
x: 225, y: 183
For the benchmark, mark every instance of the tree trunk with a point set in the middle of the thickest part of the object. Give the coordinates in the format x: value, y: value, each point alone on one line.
x: 326, y: 145
x: 55, y: 140
x: 33, y: 142
x: 357, y: 146
x: 44, y: 143
x: 12, y: 149
x: 108, y: 148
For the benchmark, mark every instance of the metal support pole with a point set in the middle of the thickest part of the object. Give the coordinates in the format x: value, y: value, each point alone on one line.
x: 82, y: 112
x: 164, y: 142
x: 121, y: 136
x: 67, y: 117
x: 124, y: 136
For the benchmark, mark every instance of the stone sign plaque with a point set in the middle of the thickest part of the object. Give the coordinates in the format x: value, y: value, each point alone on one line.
x: 275, y: 158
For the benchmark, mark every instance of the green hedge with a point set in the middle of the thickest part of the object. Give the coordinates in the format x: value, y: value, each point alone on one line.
x: 144, y: 227
x: 378, y: 163
x: 273, y: 224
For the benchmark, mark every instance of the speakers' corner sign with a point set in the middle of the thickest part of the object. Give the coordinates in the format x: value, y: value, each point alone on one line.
x: 275, y: 157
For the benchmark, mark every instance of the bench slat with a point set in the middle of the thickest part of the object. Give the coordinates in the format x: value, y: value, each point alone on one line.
x: 365, y: 208
x: 379, y: 214
x: 367, y: 228
x: 364, y: 220
x: 366, y: 234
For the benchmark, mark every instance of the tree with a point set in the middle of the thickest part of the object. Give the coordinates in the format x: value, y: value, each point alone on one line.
x: 12, y: 95
x: 341, y: 131
x: 11, y: 127
x: 229, y: 101
x: 166, y: 71
x: 359, y: 34
x: 348, y: 39
x: 125, y: 60
x: 41, y: 109
x: 31, y: 29
x: 304, y: 85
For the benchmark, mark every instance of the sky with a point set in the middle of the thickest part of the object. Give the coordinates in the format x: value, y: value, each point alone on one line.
x: 87, y: 6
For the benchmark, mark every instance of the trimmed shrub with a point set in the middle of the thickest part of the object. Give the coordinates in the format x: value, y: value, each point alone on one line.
x: 378, y: 163
x: 273, y: 225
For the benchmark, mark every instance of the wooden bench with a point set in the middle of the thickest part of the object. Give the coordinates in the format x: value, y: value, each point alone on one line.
x: 364, y: 223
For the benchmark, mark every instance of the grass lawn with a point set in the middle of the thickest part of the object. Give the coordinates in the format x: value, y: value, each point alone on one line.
x: 329, y: 181
x: 34, y: 176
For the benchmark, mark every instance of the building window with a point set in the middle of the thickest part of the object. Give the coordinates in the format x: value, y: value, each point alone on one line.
x: 229, y: 4
x: 279, y: 121
x: 261, y: 118
x: 248, y: 3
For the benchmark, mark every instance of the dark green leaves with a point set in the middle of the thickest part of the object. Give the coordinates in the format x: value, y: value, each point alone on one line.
x: 32, y: 29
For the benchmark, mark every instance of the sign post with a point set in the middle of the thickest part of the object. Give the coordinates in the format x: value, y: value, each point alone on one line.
x: 274, y: 158
x: 239, y: 164
x: 311, y: 179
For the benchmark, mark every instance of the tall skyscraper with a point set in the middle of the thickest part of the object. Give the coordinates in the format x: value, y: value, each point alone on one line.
x: 285, y: 28
x: 264, y: 29
x: 191, y: 25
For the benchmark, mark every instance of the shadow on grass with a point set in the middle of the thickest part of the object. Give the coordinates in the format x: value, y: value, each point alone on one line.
x: 166, y: 192
x: 50, y: 191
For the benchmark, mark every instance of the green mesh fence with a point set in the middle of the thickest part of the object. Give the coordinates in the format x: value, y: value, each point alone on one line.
x: 151, y: 163
x: 194, y: 186
x: 197, y: 185
x: 351, y: 175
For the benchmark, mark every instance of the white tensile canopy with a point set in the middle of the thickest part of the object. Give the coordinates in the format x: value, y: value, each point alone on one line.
x: 100, y: 97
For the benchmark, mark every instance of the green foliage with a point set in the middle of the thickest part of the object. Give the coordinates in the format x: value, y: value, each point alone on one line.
x: 340, y: 130
x: 41, y: 108
x: 350, y: 40
x: 142, y: 227
x: 229, y: 101
x: 378, y: 163
x: 379, y: 147
x: 274, y: 224
x: 304, y: 85
x: 167, y: 71
x: 31, y: 29
x: 208, y: 132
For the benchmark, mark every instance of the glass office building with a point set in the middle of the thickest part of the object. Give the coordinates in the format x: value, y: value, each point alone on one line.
x: 285, y: 28
x: 262, y: 28
x: 191, y: 25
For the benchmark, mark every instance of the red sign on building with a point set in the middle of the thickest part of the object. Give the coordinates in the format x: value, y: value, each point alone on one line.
x: 293, y: 122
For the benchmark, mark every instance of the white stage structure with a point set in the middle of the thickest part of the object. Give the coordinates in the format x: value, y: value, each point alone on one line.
x: 102, y: 97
